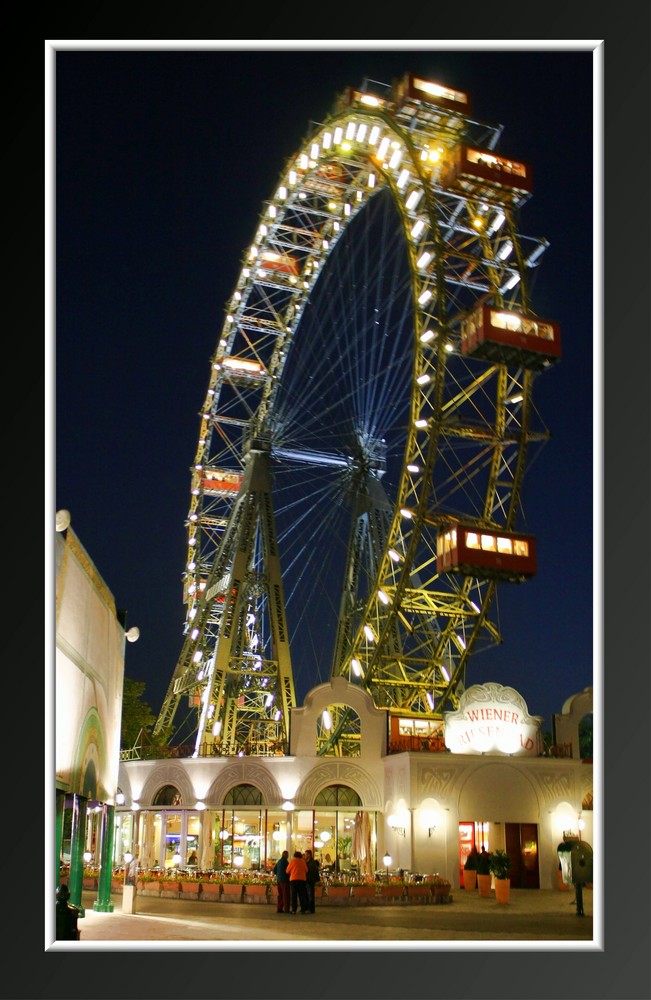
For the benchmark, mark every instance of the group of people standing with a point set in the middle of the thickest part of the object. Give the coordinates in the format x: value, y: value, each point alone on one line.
x: 296, y: 881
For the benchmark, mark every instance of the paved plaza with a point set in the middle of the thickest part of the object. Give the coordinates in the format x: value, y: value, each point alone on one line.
x: 531, y: 915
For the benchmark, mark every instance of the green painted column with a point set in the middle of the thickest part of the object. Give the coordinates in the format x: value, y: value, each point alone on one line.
x: 103, y: 903
x: 60, y: 810
x: 77, y: 840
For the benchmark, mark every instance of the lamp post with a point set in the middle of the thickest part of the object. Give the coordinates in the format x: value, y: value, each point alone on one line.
x: 386, y: 861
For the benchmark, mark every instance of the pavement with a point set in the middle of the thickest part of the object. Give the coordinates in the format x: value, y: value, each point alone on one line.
x: 532, y: 915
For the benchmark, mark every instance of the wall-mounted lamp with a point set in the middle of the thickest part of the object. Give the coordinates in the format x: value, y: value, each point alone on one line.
x: 394, y: 822
x: 288, y: 806
x: 386, y: 861
x: 120, y: 799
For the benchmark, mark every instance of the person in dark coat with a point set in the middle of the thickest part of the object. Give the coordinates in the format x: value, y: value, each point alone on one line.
x: 282, y: 883
x: 313, y: 876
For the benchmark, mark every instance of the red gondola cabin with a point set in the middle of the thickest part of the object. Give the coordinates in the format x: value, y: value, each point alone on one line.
x: 486, y: 553
x: 474, y: 169
x: 506, y: 336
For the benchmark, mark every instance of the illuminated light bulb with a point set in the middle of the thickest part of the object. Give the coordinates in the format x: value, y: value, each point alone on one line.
x: 408, y: 514
x: 383, y: 597
x: 445, y: 673
x: 369, y: 100
x: 383, y: 148
x: 350, y: 130
x: 424, y: 259
x: 394, y: 556
x: 505, y: 250
x: 413, y: 468
x: 338, y: 134
x: 217, y: 728
x: 413, y: 199
x: 396, y: 157
x: 374, y: 135
x: 326, y: 719
x: 417, y: 228
x: 326, y: 141
x: 430, y: 701
x: 513, y: 280
x: 361, y: 132
x: 424, y: 297
x: 402, y: 179
x: 357, y: 667
x: 423, y: 379
x: 371, y: 180
x: 314, y: 151
x: 449, y: 347
x: 194, y: 633
x: 198, y: 656
x: 427, y: 336
x: 369, y: 633
x: 420, y: 423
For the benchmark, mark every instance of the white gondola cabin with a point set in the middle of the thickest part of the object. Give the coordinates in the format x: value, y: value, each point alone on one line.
x: 244, y: 369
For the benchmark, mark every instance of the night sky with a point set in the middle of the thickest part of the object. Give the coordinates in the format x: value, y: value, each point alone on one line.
x: 162, y: 162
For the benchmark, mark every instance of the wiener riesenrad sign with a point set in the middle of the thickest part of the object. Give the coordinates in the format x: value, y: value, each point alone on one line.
x: 492, y: 719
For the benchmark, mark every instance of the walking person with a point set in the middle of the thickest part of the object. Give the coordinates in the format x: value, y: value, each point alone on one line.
x: 297, y: 871
x: 313, y: 876
x: 282, y: 883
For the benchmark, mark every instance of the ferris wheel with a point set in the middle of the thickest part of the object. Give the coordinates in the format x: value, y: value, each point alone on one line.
x: 356, y: 489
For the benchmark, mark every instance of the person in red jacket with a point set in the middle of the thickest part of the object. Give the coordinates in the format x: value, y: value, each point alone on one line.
x: 297, y: 871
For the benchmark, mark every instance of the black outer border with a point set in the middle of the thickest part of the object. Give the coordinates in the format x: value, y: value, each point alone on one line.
x: 622, y: 969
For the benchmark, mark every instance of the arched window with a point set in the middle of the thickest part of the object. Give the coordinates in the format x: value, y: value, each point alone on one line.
x: 337, y: 795
x: 168, y: 795
x: 243, y: 795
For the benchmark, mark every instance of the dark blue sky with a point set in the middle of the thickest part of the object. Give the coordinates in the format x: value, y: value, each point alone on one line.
x: 163, y: 160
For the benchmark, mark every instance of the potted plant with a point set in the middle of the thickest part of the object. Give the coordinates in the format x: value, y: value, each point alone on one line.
x: 470, y: 870
x: 500, y: 867
x: 484, y: 872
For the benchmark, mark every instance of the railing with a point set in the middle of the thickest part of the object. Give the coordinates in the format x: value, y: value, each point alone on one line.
x: 417, y: 744
x: 186, y: 750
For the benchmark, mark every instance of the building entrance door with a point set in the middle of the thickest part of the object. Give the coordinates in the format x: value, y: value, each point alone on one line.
x: 522, y: 848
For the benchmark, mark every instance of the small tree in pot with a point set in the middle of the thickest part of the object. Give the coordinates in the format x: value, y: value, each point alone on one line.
x: 484, y: 872
x: 500, y: 867
x: 470, y: 870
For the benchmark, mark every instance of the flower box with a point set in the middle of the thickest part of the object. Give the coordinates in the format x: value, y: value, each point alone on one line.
x: 364, y: 892
x: 232, y: 891
x: 391, y: 891
x: 89, y: 882
x: 337, y: 893
x: 211, y: 890
x: 170, y: 885
x: 190, y: 888
x: 421, y: 891
x: 257, y: 893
